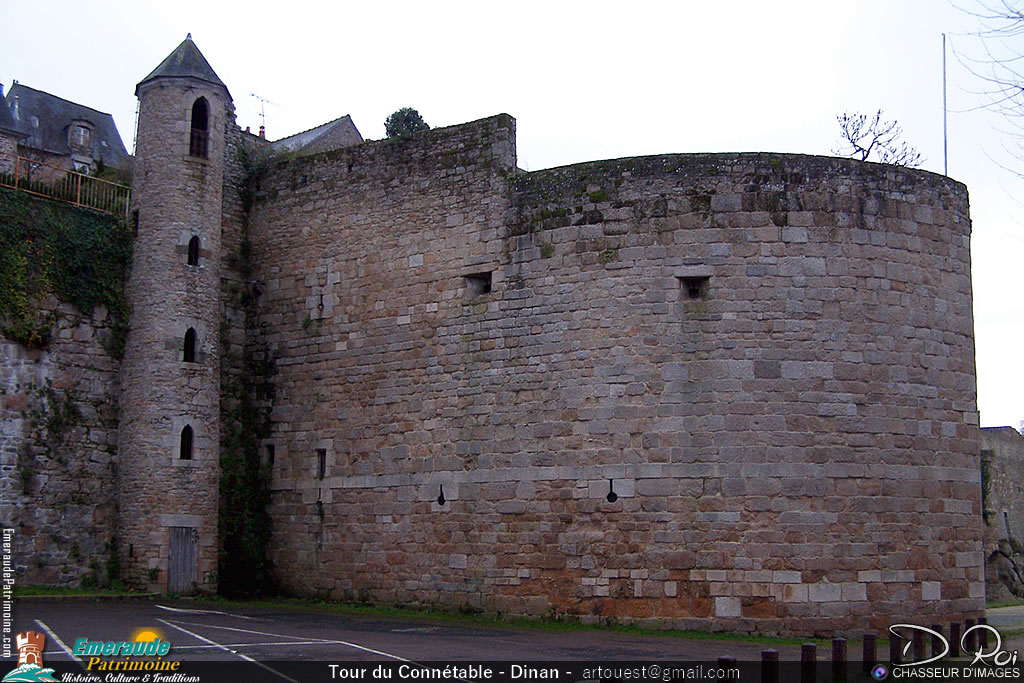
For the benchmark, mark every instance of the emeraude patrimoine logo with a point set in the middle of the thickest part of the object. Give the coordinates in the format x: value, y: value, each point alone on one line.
x: 30, y: 660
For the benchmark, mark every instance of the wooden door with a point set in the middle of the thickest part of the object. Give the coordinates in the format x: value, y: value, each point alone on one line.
x: 181, y: 575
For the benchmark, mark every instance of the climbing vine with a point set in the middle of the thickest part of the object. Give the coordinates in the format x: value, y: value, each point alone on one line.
x: 52, y: 250
x: 986, y: 484
x: 247, y: 390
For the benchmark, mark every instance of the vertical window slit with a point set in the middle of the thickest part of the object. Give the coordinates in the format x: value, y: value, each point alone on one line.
x: 198, y: 144
x: 193, y: 251
x: 185, y: 450
x: 189, y: 353
x: 321, y: 463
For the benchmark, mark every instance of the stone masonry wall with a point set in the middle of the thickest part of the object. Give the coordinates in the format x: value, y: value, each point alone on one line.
x: 58, y: 445
x: 1002, y: 452
x: 8, y: 150
x: 767, y: 359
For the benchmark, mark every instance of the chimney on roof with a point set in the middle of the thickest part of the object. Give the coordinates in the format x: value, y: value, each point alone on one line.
x: 263, y: 132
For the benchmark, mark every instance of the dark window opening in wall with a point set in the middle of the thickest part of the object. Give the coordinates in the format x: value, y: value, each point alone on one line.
x: 189, y: 355
x: 268, y: 459
x: 321, y: 463
x: 695, y: 287
x: 198, y: 144
x: 185, y: 450
x: 193, y: 251
x: 478, y: 284
x: 135, y: 222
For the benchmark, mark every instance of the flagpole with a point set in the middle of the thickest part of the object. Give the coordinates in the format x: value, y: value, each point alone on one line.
x: 945, y: 143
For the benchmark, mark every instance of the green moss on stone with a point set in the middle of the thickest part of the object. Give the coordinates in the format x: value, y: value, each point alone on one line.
x: 48, y: 249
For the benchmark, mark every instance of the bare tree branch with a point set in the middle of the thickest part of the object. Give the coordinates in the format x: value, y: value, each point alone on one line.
x: 861, y: 137
x: 998, y: 63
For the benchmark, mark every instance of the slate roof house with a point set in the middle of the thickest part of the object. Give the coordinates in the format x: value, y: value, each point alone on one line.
x: 62, y: 133
x: 334, y: 134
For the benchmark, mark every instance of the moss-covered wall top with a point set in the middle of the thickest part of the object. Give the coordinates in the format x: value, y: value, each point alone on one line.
x: 49, y: 250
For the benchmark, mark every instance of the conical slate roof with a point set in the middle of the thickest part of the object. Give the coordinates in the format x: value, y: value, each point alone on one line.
x: 185, y: 62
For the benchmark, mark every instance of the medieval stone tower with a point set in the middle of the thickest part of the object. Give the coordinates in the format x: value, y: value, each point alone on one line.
x: 168, y: 474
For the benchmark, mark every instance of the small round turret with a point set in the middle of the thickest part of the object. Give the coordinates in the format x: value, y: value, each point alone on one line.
x: 168, y: 444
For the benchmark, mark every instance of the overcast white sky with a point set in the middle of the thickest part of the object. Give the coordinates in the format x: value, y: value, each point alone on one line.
x: 585, y: 80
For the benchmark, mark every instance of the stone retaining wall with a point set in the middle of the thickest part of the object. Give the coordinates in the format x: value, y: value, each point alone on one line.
x: 58, y: 451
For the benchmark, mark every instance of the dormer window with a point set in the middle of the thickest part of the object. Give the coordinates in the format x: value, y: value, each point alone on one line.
x: 198, y: 144
x: 80, y: 135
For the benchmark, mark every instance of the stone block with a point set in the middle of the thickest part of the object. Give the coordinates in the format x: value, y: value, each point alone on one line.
x: 825, y: 592
x: 727, y: 607
x: 794, y: 234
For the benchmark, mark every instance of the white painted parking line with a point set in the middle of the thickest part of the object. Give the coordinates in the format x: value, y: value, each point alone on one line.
x: 253, y: 644
x: 229, y: 650
x: 255, y: 633
x: 325, y: 641
x: 204, y: 611
x: 55, y: 638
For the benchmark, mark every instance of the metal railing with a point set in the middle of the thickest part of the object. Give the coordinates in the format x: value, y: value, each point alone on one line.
x: 54, y: 182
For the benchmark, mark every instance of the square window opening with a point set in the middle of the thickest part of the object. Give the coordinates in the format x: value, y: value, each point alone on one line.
x: 694, y: 287
x: 478, y: 284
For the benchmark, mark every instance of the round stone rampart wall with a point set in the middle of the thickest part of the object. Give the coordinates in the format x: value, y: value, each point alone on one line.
x: 767, y: 359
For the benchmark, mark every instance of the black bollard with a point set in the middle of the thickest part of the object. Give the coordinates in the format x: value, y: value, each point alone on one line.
x: 839, y: 660
x: 954, y: 639
x: 918, y: 645
x: 870, y: 653
x: 936, y: 640
x: 808, y: 663
x: 769, y: 666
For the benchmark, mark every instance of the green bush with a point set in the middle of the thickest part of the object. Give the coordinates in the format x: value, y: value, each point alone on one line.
x: 404, y: 123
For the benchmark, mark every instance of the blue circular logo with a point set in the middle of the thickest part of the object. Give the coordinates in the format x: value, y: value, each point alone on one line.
x: 879, y: 673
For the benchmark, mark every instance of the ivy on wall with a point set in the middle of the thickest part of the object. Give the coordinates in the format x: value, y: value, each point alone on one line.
x: 244, y: 568
x: 49, y: 250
